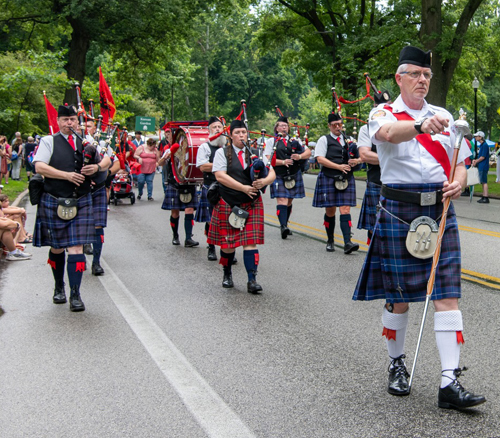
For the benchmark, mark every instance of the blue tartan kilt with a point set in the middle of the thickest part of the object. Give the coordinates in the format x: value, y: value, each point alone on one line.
x: 389, y: 271
x: 173, y: 202
x: 278, y: 189
x: 326, y: 195
x: 204, y: 211
x: 368, y: 213
x: 100, y: 207
x: 52, y: 231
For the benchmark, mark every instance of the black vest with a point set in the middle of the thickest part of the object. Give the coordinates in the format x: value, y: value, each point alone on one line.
x: 234, y: 170
x: 209, y: 177
x: 66, y: 159
x: 373, y: 170
x: 284, y: 153
x: 337, y: 154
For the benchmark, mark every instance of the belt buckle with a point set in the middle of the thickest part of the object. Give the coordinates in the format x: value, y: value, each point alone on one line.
x: 428, y: 198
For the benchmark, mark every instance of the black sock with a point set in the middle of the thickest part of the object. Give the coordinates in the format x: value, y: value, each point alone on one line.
x: 251, y: 259
x: 174, y: 223
x: 188, y: 225
x: 226, y: 260
x: 329, y: 223
x: 75, y: 268
x: 207, y: 228
x: 345, y: 226
x: 57, y: 262
x: 289, y: 213
x: 97, y: 245
x: 281, y: 212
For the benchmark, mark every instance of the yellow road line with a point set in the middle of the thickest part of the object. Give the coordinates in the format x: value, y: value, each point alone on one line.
x: 483, y: 276
x: 478, y: 231
x: 484, y: 283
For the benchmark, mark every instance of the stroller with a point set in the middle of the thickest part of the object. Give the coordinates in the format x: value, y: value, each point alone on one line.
x: 121, y: 187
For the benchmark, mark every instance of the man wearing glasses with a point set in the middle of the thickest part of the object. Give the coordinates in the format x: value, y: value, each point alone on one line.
x: 415, y: 145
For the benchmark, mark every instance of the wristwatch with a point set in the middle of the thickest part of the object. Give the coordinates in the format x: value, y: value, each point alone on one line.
x: 418, y: 124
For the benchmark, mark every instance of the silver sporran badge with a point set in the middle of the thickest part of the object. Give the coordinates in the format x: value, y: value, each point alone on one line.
x: 341, y: 184
x: 185, y: 197
x: 238, y: 217
x: 289, y: 182
x: 422, y: 237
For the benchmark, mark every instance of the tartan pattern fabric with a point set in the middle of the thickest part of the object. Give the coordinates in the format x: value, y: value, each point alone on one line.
x: 100, y: 207
x: 326, y: 195
x: 222, y: 234
x: 368, y: 213
x: 278, y: 189
x: 173, y: 202
x: 52, y: 231
x: 204, y: 210
x: 389, y: 271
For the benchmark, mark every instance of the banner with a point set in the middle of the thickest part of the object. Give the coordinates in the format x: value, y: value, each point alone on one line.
x: 51, y: 116
x: 108, y: 108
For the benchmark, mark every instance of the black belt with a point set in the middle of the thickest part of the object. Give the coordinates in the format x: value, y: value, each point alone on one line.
x: 419, y: 198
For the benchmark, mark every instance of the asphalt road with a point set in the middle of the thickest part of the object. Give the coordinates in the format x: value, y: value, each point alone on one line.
x: 163, y: 351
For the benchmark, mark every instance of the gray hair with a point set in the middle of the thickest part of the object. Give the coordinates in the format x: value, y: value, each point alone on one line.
x: 401, y: 68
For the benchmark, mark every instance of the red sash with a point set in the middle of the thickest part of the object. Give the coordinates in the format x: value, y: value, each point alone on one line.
x: 434, y: 147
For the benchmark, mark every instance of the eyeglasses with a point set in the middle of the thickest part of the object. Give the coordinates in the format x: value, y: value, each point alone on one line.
x: 417, y: 74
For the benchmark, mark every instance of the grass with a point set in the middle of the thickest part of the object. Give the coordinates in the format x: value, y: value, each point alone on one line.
x: 14, y: 188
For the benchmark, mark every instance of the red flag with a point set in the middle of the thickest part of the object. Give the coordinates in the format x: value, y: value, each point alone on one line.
x: 108, y: 108
x: 51, y: 116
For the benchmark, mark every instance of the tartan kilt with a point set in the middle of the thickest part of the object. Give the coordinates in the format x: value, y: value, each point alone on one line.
x: 204, y: 211
x: 100, y: 207
x: 52, y: 231
x: 368, y: 213
x: 173, y: 202
x: 326, y: 195
x: 222, y: 234
x: 389, y: 271
x: 278, y: 189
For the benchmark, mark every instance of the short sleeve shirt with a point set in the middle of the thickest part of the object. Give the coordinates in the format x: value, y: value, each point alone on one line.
x: 322, y: 145
x: 220, y: 160
x: 203, y: 156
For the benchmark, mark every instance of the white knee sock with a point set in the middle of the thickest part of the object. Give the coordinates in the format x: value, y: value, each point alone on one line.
x: 448, y: 327
x: 395, y: 332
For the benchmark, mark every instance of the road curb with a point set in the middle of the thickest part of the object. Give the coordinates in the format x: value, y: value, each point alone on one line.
x: 20, y: 198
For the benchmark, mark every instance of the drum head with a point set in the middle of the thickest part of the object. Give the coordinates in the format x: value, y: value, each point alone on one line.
x: 184, y: 159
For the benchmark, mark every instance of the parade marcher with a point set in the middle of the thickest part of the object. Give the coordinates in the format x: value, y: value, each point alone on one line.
x: 204, y: 161
x: 165, y: 144
x: 64, y: 219
x: 289, y: 183
x: 335, y: 186
x: 179, y: 198
x: 239, y: 197
x: 368, y: 154
x: 482, y: 162
x: 99, y: 197
x: 415, y: 144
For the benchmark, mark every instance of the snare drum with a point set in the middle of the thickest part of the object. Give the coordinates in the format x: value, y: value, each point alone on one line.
x: 184, y: 159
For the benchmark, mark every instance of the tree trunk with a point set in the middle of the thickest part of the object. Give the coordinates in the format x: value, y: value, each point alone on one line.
x: 206, y: 75
x: 77, y: 54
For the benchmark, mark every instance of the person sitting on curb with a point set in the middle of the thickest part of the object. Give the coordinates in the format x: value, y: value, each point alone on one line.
x: 18, y: 215
x: 8, y: 228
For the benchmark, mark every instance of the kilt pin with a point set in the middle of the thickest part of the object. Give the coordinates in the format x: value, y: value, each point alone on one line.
x: 390, y: 272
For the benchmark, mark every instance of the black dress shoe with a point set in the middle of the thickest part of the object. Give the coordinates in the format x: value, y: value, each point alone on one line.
x: 284, y: 232
x: 350, y: 247
x: 227, y: 281
x: 189, y: 243
x: 97, y: 269
x: 59, y: 294
x: 75, y: 302
x: 398, y: 377
x: 212, y: 256
x: 175, y: 240
x: 484, y: 200
x: 329, y: 246
x: 290, y: 232
x: 455, y: 396
x: 235, y: 261
x: 253, y: 287
x: 87, y: 249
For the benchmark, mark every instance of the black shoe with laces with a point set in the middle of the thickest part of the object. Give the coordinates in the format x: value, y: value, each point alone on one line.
x: 284, y: 232
x: 329, y: 246
x: 227, y: 281
x: 455, y: 396
x: 59, y: 294
x: 398, y: 377
x: 212, y: 256
x: 190, y: 243
x: 175, y: 240
x: 75, y: 301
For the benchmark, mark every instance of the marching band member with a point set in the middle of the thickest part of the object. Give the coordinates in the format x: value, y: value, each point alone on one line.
x: 415, y: 144
x: 335, y: 186
x: 67, y: 186
x: 368, y: 154
x: 99, y: 197
x: 289, y: 183
x: 204, y: 161
x: 175, y: 201
x: 240, y: 198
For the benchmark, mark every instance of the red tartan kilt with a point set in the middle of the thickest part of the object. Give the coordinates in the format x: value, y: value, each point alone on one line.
x: 222, y: 234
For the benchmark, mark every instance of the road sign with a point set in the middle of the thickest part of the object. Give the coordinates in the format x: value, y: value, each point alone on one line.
x: 146, y: 124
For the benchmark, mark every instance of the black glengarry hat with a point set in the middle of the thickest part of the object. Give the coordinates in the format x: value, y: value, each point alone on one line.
x: 66, y: 111
x: 235, y: 124
x: 415, y: 56
x: 282, y: 119
x: 213, y: 119
x: 334, y: 117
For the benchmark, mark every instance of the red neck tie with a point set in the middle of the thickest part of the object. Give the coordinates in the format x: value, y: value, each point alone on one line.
x: 338, y: 139
x: 240, y: 157
x: 71, y: 142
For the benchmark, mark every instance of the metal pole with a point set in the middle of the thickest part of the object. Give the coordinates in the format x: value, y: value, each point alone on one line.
x: 475, y: 110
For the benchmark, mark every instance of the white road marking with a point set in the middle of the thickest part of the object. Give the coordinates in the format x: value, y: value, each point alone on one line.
x: 210, y: 411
